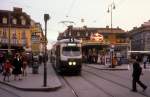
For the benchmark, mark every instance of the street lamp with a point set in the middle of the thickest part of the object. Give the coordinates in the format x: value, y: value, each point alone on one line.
x: 111, y: 7
x: 46, y: 18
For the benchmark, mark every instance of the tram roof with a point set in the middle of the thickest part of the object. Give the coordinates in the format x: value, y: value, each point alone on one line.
x: 68, y: 40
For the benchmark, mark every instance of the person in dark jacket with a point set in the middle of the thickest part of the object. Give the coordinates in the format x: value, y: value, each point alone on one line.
x: 2, y: 60
x: 137, y: 71
x: 17, y: 67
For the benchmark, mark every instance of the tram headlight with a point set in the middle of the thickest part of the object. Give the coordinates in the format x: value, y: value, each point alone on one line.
x: 70, y: 63
x: 74, y: 63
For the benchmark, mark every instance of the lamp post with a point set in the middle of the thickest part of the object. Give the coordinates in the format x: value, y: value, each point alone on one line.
x: 46, y: 18
x: 111, y: 7
x: 9, y: 27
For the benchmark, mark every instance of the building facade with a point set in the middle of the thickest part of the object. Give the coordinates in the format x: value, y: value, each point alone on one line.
x: 37, y: 38
x: 16, y: 30
x: 140, y: 37
x: 99, y: 41
x: 140, y: 40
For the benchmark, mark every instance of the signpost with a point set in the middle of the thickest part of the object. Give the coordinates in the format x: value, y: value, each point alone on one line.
x: 112, y: 55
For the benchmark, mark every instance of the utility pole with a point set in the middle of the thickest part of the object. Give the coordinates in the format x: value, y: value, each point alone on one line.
x: 46, y: 18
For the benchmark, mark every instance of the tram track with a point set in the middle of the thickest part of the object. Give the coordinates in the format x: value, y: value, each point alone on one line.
x: 108, y: 72
x: 68, y: 80
x: 70, y: 86
x: 101, y: 89
x: 76, y: 94
x: 8, y: 92
x: 110, y: 80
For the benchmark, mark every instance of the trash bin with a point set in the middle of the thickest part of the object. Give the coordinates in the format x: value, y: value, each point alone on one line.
x: 35, y: 68
x: 35, y: 65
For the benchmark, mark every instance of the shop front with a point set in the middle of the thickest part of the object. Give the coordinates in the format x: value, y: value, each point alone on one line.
x: 95, y: 52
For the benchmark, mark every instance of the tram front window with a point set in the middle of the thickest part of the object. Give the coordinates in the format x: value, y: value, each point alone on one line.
x: 71, y: 51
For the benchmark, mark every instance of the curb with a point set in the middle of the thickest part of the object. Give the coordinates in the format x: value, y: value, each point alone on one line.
x: 110, y: 69
x: 32, y: 89
x: 107, y: 68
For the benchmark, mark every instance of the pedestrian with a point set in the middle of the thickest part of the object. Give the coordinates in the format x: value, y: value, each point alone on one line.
x: 40, y: 58
x: 137, y: 71
x: 144, y: 61
x: 24, y: 65
x: 7, y: 70
x: 17, y: 67
x: 1, y: 62
x: 99, y: 58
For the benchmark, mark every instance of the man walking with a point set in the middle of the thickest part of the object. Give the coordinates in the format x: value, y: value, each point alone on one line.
x: 137, y: 71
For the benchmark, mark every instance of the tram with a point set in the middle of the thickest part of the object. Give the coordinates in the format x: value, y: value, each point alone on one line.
x: 66, y: 56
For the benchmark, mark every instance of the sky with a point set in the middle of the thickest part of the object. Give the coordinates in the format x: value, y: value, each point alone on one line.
x: 126, y: 15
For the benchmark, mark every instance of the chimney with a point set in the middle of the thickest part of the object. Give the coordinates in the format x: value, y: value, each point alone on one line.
x: 118, y: 27
x: 70, y: 27
x: 85, y: 27
x: 134, y: 27
x: 107, y: 26
x: 17, y: 10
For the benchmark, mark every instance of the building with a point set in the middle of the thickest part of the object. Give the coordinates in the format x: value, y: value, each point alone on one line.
x: 16, y: 30
x: 101, y: 41
x: 37, y: 38
x: 140, y: 37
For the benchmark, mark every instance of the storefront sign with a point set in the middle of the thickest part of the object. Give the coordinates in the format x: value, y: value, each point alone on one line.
x: 97, y: 37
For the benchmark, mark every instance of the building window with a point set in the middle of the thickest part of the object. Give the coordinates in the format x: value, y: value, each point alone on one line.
x: 23, y: 34
x: 4, y: 32
x: 14, y: 34
x: 4, y: 36
x: 106, y: 36
x: 4, y: 20
x: 14, y: 21
x: 23, y: 21
x: 87, y: 34
x: 78, y: 34
x: 32, y: 23
x: 14, y: 37
x: 1, y: 33
x: 64, y: 34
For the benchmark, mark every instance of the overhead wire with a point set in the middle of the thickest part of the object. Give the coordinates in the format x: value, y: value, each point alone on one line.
x: 70, y: 8
x: 120, y: 2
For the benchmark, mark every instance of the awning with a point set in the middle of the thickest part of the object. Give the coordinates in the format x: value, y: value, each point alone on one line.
x: 86, y: 43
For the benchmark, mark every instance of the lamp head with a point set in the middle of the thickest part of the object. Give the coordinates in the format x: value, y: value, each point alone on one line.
x: 46, y: 17
x: 114, y: 7
x: 108, y: 10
